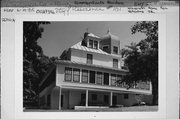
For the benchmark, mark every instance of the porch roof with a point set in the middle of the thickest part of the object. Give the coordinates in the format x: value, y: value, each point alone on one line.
x: 90, y: 65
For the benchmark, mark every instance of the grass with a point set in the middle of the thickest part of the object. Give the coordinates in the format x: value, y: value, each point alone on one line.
x: 121, y: 109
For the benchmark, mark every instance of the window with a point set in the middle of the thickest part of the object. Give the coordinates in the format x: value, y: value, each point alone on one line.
x: 89, y: 59
x: 106, y: 48
x: 99, y: 77
x: 90, y: 43
x: 113, y: 79
x: 84, y: 76
x: 126, y: 96
x: 119, y: 78
x: 92, y: 77
x: 115, y: 50
x: 94, y: 97
x: 68, y: 74
x: 106, y: 79
x: 115, y: 63
x: 48, y: 100
x: 76, y: 75
x: 95, y: 44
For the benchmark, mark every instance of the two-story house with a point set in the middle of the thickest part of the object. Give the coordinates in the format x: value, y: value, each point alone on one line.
x: 86, y: 76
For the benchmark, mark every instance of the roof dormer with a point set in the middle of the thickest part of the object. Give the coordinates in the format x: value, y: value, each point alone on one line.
x: 90, y: 40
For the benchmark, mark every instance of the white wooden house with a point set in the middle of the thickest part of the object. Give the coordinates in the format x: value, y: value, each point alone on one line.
x: 86, y: 76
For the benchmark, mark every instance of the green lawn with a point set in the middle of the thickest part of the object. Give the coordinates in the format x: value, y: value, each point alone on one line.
x: 121, y: 109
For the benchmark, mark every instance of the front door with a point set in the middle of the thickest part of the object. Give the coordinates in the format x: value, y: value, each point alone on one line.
x: 114, y: 101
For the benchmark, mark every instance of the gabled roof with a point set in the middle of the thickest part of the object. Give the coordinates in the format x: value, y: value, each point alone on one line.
x: 84, y: 48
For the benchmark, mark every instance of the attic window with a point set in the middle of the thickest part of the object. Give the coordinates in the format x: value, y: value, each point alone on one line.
x: 115, y: 50
x: 106, y: 48
x: 90, y: 43
x: 93, y: 44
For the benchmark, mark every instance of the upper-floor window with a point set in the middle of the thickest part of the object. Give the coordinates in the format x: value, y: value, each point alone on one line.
x: 115, y: 50
x: 113, y: 79
x: 84, y: 76
x: 106, y: 79
x: 106, y: 48
x: 99, y: 78
x: 115, y: 63
x: 90, y: 43
x: 93, y: 44
x: 92, y: 77
x: 76, y: 75
x: 89, y: 58
x: 68, y: 74
x: 119, y: 79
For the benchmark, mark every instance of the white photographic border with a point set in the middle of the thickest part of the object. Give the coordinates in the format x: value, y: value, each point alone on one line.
x: 161, y: 113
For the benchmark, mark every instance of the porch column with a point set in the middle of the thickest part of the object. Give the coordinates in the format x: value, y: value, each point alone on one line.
x: 59, y: 98
x: 111, y: 95
x: 86, y: 98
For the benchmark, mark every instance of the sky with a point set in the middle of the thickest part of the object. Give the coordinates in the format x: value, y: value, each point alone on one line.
x: 58, y: 36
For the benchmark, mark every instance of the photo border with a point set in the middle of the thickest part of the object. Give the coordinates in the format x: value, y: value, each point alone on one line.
x: 161, y: 113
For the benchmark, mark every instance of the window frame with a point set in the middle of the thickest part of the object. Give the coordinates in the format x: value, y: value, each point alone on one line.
x: 114, y: 50
x: 95, y: 45
x: 90, y: 78
x: 113, y: 75
x: 82, y: 75
x: 99, y: 75
x: 90, y: 43
x: 68, y: 74
x: 115, y: 63
x: 89, y: 59
x: 120, y: 85
x: 107, y: 48
x: 76, y: 74
x: 106, y: 79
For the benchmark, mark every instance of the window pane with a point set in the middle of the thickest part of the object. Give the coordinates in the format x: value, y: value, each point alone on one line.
x: 92, y: 77
x: 115, y: 50
x: 99, y: 77
x: 90, y: 43
x: 106, y: 79
x: 68, y: 74
x: 106, y: 48
x: 84, y: 76
x: 119, y: 78
x: 95, y: 44
x: 76, y: 75
x: 89, y: 58
x: 126, y: 96
x: 113, y: 79
x: 115, y: 63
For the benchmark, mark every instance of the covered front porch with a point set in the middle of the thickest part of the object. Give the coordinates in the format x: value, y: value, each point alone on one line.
x: 91, y: 98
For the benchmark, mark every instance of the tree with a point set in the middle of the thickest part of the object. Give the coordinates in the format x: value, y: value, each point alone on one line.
x: 142, y: 58
x: 35, y: 63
